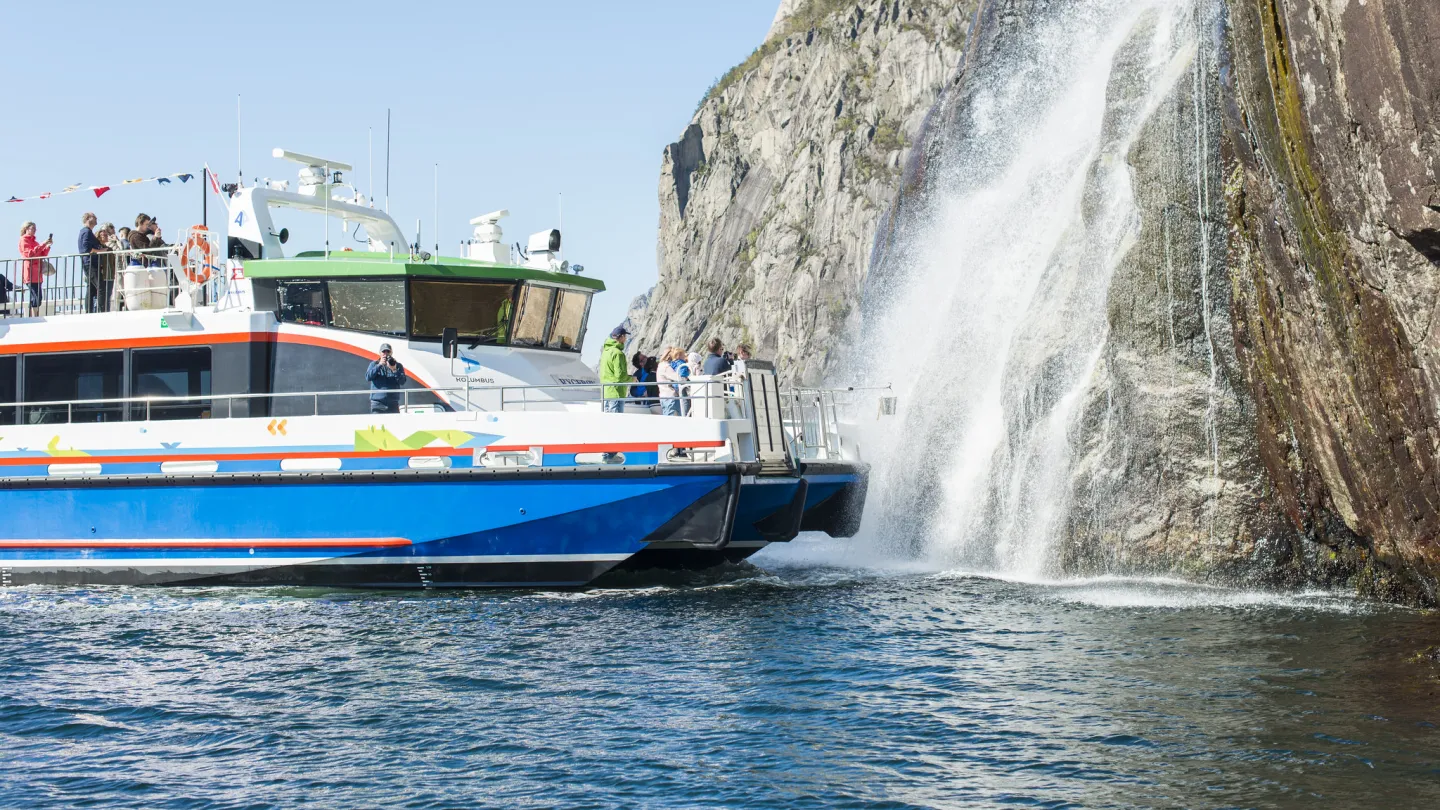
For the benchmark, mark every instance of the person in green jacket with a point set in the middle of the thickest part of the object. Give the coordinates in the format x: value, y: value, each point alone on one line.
x: 613, y: 371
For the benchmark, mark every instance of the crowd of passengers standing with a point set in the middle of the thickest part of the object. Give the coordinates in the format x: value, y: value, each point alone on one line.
x: 99, y: 247
x: 674, y: 383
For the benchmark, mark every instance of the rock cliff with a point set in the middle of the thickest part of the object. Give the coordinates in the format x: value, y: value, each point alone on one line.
x: 1262, y: 402
x: 769, y: 199
x: 1332, y: 142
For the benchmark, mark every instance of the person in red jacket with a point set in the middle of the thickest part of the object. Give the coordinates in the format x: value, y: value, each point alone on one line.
x: 34, y: 269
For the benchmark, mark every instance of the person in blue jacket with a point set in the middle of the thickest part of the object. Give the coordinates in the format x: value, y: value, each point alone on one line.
x: 384, y: 375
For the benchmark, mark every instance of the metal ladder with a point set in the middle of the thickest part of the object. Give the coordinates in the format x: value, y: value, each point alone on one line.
x: 762, y: 390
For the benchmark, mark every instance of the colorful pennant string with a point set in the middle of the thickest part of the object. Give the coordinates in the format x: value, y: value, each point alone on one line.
x: 165, y: 180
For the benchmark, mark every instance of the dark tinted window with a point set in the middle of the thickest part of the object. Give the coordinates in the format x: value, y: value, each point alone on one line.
x: 368, y: 306
x: 70, y: 377
x: 8, y: 388
x: 171, y: 373
x: 481, y: 311
x: 302, y: 302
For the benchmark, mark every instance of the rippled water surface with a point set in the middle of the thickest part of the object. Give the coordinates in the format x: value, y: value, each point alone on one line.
x: 797, y: 685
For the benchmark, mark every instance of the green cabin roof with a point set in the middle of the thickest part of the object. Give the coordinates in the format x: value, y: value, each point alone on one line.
x: 358, y: 264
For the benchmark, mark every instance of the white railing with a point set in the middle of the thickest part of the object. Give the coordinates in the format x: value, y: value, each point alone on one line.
x: 223, y: 406
x: 72, y: 284
x: 815, y: 418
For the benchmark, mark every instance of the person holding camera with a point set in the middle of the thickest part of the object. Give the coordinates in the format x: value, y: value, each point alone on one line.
x: 718, y: 361
x: 385, y: 374
x: 34, y: 275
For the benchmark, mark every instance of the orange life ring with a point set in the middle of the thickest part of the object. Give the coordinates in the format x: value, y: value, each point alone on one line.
x: 197, y: 266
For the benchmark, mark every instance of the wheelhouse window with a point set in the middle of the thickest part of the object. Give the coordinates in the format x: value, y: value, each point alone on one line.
x: 534, y: 314
x: 302, y: 302
x: 480, y: 311
x: 70, y: 377
x: 171, y: 373
x: 368, y: 306
x: 569, y: 321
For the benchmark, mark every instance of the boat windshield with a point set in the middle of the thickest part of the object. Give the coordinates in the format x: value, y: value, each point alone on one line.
x: 480, y: 312
x: 534, y: 312
x: 569, y: 320
x: 368, y: 306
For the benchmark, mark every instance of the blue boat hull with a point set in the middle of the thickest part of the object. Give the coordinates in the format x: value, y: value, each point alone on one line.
x: 826, y: 497
x: 480, y: 529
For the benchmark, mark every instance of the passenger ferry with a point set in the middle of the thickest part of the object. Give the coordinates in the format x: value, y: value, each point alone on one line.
x: 208, y: 422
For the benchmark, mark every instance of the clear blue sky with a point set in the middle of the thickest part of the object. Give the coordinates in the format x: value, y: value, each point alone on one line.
x: 517, y: 101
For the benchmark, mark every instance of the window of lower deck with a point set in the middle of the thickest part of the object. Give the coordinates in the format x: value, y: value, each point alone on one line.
x: 368, y: 306
x: 302, y: 302
x: 569, y: 322
x: 9, y: 388
x: 167, y: 373
x: 70, y: 377
x: 480, y: 311
x: 534, y: 314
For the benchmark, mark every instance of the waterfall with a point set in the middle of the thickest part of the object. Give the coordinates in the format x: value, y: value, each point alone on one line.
x: 988, y: 308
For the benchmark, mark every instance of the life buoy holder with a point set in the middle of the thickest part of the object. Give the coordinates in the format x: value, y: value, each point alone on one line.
x: 197, y: 260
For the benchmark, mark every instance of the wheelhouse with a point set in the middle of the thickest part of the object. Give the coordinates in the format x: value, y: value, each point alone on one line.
x: 487, y: 304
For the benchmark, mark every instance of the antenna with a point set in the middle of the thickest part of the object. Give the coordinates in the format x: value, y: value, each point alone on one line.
x: 387, y: 160
x: 562, y: 222
x: 437, y: 209
x: 325, y: 189
x: 371, y: 171
x: 239, y: 173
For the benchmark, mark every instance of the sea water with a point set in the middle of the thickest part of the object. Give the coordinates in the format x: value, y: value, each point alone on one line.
x: 819, y: 678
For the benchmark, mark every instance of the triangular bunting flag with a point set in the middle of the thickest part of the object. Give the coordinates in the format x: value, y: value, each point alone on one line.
x: 184, y: 178
x: 45, y: 196
x: 99, y: 190
x: 136, y: 180
x: 69, y: 189
x: 15, y: 199
x: 164, y: 181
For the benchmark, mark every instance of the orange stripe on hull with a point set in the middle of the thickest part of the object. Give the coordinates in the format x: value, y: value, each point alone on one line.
x: 635, y: 447
x: 31, y: 461
x: 198, y: 339
x: 361, y: 542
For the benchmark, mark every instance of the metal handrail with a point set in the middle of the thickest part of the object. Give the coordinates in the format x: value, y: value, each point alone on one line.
x: 467, y: 403
x: 74, y: 288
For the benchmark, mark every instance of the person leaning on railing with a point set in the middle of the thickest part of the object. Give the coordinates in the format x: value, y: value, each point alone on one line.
x: 34, y: 275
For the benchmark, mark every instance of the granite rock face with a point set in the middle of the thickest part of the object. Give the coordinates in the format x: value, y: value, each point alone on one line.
x: 770, y: 197
x: 1265, y: 404
x: 1332, y: 143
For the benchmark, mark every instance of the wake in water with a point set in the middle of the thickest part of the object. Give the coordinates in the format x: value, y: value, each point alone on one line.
x: 989, y: 313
